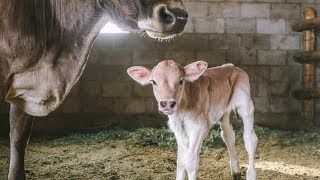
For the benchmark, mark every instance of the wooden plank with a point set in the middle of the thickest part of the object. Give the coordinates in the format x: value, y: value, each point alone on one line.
x: 306, y: 94
x: 307, y: 57
x: 308, y: 112
x: 306, y: 24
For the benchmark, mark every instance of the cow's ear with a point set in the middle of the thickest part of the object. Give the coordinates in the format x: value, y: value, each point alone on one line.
x: 194, y: 70
x: 140, y: 74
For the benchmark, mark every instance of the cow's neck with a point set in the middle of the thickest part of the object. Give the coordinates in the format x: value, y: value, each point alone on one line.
x: 71, y: 57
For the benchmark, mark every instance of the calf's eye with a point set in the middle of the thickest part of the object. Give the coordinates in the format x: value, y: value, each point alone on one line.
x: 153, y: 82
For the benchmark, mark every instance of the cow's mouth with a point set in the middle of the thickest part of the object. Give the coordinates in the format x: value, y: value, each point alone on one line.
x: 160, y: 35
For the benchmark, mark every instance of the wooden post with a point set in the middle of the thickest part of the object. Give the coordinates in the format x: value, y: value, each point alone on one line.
x: 308, y: 80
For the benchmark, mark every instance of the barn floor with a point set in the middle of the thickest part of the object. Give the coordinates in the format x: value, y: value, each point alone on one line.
x: 150, y: 154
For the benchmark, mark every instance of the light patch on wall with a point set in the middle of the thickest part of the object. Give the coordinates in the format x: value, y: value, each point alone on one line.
x: 111, y: 28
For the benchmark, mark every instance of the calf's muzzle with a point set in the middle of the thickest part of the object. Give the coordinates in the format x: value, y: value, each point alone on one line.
x: 167, y: 104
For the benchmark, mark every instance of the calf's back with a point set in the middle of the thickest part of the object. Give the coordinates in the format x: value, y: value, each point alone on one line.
x: 213, y: 92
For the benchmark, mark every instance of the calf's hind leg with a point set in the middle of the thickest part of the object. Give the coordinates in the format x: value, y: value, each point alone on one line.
x: 20, y: 128
x: 246, y: 111
x: 228, y: 136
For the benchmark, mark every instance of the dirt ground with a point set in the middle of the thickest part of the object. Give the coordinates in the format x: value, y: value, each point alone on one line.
x: 283, y: 155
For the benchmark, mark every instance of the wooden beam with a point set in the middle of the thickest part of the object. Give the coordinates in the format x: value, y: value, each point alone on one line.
x: 308, y: 70
x: 307, y: 57
x: 306, y: 24
x: 306, y: 94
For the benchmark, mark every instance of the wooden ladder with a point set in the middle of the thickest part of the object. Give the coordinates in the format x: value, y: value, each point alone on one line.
x: 308, y: 58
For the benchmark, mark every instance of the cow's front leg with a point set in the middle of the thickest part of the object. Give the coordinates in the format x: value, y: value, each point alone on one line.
x: 20, y: 128
x: 196, y: 137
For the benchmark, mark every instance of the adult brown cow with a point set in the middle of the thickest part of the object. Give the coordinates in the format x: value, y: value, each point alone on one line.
x: 44, y: 45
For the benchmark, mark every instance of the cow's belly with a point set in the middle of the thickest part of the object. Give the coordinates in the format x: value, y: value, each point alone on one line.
x: 37, y: 92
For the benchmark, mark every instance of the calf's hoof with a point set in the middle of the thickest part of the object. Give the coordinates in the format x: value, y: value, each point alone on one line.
x: 236, y: 176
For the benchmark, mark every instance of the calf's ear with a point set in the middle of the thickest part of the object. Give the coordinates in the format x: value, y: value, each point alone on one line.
x: 140, y: 74
x: 194, y: 70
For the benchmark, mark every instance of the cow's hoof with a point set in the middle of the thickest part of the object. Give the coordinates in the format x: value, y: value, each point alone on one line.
x: 237, y: 176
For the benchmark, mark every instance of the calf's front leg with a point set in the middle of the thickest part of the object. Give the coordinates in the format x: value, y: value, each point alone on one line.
x: 181, y: 171
x: 196, y: 137
x: 20, y: 128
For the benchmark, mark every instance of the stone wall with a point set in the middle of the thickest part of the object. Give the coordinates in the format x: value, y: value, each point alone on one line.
x: 252, y: 34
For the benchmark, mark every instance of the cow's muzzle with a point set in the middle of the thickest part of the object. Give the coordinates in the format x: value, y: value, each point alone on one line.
x: 168, y: 22
x: 173, y: 19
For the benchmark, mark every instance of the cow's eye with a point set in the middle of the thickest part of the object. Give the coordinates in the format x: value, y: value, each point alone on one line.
x: 180, y: 82
x: 153, y: 82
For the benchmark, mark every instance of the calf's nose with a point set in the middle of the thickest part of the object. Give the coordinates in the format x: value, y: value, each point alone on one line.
x: 168, y: 104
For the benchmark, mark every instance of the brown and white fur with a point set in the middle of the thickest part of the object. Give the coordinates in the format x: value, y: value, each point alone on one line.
x: 195, y: 98
x: 45, y: 45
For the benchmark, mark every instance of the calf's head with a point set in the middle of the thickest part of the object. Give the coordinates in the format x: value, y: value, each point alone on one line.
x: 160, y: 19
x: 168, y: 80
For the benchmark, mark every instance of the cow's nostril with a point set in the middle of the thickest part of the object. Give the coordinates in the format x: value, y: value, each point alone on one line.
x: 172, y: 104
x: 167, y: 17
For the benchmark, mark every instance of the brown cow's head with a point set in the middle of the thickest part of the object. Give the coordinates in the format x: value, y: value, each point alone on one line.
x: 160, y: 19
x: 168, y: 79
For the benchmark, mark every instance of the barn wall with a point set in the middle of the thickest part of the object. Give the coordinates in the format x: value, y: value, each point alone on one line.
x: 252, y: 34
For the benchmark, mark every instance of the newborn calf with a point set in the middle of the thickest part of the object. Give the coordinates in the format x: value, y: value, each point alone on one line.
x: 195, y: 98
